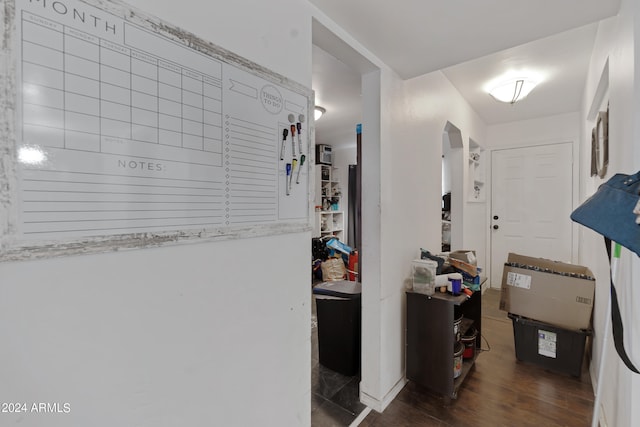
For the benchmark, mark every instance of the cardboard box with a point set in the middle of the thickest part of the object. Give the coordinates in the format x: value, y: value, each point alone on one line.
x: 548, y: 291
x: 464, y: 261
x: 468, y: 256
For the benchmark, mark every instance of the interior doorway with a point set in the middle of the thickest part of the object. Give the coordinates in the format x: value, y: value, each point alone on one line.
x: 452, y: 149
x: 369, y: 101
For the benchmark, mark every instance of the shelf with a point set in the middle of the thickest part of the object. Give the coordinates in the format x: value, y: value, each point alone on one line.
x: 456, y: 300
x: 467, y: 365
x: 475, y: 186
x: 328, y: 194
x: 465, y: 324
x: 430, y: 340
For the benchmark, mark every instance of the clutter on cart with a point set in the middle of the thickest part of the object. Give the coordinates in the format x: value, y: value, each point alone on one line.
x: 452, y: 272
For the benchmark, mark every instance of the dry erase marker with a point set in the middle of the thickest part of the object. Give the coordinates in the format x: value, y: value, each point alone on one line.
x: 294, y: 162
x: 286, y: 184
x: 301, y: 120
x: 299, y: 127
x: 285, y: 132
x: 293, y: 140
x: 302, y: 158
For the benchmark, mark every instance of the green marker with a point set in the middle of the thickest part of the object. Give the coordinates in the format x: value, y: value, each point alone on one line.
x: 302, y: 158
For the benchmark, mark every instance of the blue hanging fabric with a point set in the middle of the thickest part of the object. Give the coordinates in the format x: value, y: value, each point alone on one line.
x: 611, y: 212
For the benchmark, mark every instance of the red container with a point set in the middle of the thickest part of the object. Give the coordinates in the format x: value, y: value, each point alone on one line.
x: 469, y: 341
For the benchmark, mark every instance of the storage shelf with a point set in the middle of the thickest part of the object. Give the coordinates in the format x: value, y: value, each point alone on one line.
x: 454, y: 299
x: 465, y: 325
x: 328, y: 193
x: 430, y: 338
x: 477, y: 165
x: 467, y: 365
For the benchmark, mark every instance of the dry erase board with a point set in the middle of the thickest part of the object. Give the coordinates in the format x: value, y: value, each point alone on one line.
x: 125, y: 131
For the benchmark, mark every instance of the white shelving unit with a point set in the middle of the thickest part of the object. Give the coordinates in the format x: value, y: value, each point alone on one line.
x: 477, y: 164
x: 330, y: 217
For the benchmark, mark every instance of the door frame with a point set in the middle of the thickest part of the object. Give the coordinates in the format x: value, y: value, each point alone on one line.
x: 575, y: 185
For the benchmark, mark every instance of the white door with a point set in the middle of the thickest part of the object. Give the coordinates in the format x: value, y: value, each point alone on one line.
x: 531, y: 200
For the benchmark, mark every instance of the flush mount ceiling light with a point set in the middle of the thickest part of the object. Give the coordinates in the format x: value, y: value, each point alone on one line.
x: 318, y: 112
x: 513, y: 90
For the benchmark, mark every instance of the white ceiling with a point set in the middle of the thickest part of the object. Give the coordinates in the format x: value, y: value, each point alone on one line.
x: 472, y: 42
x: 337, y: 89
x: 561, y: 61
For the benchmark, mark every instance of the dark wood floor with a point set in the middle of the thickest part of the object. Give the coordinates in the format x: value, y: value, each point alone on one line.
x: 499, y: 391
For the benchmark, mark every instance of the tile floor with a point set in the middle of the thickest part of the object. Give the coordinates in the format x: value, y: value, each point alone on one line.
x: 335, y: 400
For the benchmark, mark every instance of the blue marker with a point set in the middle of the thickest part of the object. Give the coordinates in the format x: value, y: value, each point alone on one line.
x: 286, y: 183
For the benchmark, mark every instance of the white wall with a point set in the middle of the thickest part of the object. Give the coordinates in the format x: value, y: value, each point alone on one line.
x: 544, y: 130
x: 413, y: 115
x: 194, y: 334
x: 634, y: 395
x: 201, y: 334
x: 618, y: 40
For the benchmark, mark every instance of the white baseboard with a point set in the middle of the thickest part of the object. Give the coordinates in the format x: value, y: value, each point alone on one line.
x: 361, y: 417
x: 380, y: 405
x: 602, y: 419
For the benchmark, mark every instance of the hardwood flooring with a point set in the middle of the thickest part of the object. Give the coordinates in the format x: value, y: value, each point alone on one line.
x: 499, y: 391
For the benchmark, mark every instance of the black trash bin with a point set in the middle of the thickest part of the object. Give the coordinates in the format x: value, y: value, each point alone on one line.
x: 338, y: 310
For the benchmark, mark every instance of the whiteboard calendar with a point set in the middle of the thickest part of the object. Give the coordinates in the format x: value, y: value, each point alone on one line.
x: 121, y: 128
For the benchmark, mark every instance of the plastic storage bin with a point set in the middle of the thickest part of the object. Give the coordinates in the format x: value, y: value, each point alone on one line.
x: 424, y: 276
x: 551, y: 347
x: 338, y: 311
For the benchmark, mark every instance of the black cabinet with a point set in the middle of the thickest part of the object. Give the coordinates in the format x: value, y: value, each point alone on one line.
x: 431, y: 340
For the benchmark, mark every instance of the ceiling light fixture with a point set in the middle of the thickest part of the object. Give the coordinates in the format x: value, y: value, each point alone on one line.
x: 512, y: 91
x: 318, y: 112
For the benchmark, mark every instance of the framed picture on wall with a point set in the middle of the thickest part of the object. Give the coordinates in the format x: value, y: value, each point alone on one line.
x: 600, y: 145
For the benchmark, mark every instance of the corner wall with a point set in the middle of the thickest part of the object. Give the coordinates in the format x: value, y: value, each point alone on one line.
x: 193, y: 334
x: 413, y: 117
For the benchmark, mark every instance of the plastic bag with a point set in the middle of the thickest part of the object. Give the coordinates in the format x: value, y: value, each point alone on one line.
x: 333, y: 269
